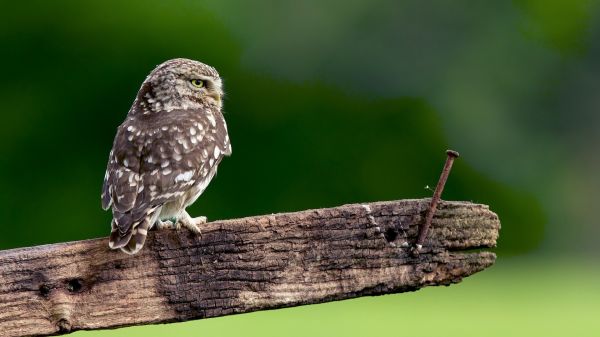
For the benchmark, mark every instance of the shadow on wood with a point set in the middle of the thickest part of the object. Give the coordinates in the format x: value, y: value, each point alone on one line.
x: 242, y: 265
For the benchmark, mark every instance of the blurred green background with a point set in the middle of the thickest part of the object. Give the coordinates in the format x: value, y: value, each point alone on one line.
x: 333, y: 102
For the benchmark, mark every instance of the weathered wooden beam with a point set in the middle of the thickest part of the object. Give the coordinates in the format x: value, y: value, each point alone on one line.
x: 241, y: 265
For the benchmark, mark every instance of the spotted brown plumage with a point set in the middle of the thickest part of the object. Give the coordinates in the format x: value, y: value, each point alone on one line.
x: 165, y: 153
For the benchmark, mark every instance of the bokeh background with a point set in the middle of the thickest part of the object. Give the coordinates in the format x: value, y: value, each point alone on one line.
x: 334, y: 102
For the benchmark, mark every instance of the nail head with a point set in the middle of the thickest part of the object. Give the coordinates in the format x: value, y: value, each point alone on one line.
x: 452, y: 153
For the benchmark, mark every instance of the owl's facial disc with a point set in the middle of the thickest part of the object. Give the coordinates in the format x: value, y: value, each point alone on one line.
x: 206, y: 86
x: 180, y: 84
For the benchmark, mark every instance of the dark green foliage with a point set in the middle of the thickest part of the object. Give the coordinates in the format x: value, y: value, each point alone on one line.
x: 325, y: 105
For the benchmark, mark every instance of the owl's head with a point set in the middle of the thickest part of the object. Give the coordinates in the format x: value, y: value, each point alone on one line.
x: 180, y: 84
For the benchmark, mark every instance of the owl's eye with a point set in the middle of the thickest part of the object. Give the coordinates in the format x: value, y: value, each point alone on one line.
x: 197, y: 83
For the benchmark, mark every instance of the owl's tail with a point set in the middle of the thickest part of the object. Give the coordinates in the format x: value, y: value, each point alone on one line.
x: 130, y: 238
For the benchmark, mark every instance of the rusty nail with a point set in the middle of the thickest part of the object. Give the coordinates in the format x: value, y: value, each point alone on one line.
x: 436, y: 198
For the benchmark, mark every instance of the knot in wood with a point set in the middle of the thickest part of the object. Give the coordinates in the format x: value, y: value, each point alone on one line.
x: 74, y: 285
x: 63, y: 325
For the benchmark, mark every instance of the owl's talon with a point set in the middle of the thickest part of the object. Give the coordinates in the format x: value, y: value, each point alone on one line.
x: 192, y: 227
x: 164, y: 225
x: 192, y: 223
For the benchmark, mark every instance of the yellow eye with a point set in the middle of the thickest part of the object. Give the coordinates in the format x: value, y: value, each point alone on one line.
x: 197, y: 83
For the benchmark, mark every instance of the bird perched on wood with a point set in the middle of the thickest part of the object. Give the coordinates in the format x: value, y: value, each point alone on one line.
x: 165, y: 153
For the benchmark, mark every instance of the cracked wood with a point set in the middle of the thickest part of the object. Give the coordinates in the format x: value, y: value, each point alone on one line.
x: 242, y: 265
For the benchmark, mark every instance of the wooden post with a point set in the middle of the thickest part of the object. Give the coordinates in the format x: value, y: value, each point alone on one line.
x: 242, y: 265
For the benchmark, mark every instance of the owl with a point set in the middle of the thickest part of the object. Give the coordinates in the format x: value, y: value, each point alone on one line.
x: 165, y: 153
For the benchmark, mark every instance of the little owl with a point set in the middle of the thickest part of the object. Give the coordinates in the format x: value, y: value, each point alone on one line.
x: 165, y: 153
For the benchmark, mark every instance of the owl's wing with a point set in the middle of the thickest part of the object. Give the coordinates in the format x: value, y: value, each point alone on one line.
x: 185, y: 152
x: 122, y: 178
x: 122, y: 184
x: 150, y: 167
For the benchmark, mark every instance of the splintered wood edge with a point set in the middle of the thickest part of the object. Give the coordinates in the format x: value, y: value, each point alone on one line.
x: 242, y: 265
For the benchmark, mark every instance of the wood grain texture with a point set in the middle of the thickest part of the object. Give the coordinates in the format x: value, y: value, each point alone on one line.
x: 241, y: 265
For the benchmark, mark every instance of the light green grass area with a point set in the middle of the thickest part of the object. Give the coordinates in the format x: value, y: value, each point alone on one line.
x: 516, y: 297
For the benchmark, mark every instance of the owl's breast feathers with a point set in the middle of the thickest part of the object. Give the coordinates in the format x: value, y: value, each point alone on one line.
x: 156, y: 160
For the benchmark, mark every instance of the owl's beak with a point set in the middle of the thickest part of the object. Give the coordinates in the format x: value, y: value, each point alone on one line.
x: 216, y: 96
